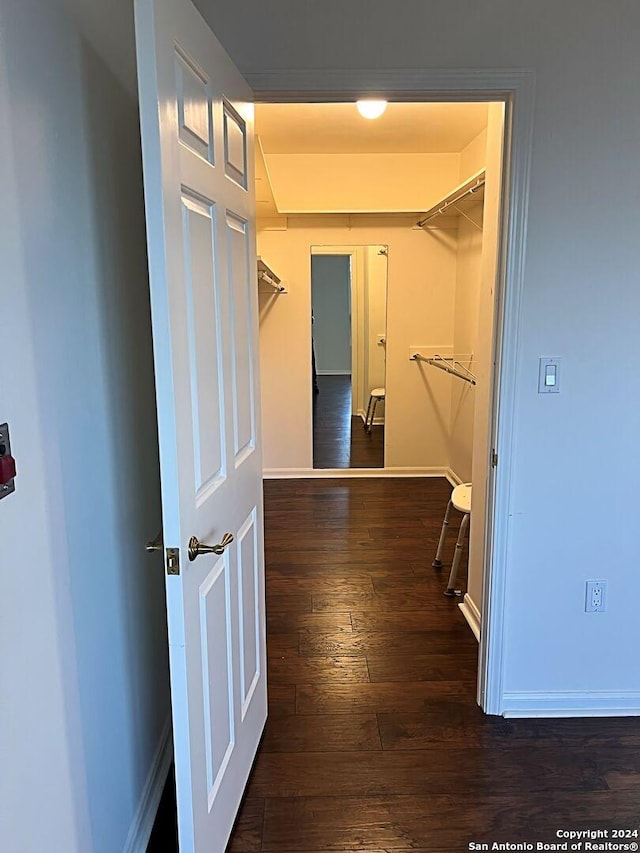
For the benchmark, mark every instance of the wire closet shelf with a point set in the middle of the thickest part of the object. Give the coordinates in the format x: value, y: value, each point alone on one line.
x: 450, y: 364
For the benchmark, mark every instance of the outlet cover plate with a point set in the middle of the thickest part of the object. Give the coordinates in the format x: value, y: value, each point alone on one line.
x: 596, y: 597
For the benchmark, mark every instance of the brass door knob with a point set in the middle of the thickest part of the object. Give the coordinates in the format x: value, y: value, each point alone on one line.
x: 196, y: 548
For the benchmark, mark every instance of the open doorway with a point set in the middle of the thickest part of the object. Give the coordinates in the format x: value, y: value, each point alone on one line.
x: 424, y: 181
x: 349, y: 309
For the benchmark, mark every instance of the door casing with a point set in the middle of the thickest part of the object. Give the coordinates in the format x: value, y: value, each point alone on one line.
x: 516, y: 89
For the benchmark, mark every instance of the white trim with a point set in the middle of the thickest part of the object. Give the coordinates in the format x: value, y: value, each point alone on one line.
x: 378, y: 420
x: 516, y: 87
x: 333, y: 372
x: 577, y: 703
x: 144, y: 818
x: 333, y: 473
x: 356, y: 271
x: 471, y: 614
x: 308, y: 85
x: 453, y: 478
x: 516, y: 171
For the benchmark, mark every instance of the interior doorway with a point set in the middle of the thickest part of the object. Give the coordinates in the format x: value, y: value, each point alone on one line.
x: 349, y: 311
x: 423, y: 182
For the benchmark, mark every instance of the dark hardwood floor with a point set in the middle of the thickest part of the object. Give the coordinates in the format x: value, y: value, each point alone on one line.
x: 339, y: 440
x: 374, y: 742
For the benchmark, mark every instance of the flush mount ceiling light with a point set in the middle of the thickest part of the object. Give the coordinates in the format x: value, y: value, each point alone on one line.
x: 371, y: 109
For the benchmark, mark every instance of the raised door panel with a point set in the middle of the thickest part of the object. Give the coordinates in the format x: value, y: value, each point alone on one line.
x: 205, y: 346
x: 195, y: 106
x: 240, y: 280
x: 248, y: 609
x: 235, y: 145
x: 217, y: 674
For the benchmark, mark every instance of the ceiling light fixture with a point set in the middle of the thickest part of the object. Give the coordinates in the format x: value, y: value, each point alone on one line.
x: 371, y: 109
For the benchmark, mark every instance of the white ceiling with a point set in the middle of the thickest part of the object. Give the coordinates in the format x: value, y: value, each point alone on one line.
x: 340, y: 129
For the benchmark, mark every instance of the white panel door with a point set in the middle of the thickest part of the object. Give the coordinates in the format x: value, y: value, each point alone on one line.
x: 197, y: 139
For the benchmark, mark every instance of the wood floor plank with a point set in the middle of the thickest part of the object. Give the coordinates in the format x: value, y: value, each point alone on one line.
x: 436, y: 771
x: 282, y: 699
x: 322, y: 733
x: 423, y: 667
x: 247, y: 831
x: 284, y: 643
x: 287, y: 563
x: 296, y: 669
x: 317, y: 585
x: 282, y: 622
x: 363, y: 570
x: 288, y: 602
x: 386, y: 642
x: 391, y: 601
x: 442, y: 721
x: 373, y: 621
x: 396, y: 697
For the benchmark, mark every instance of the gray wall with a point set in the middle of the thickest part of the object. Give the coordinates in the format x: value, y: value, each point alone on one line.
x: 84, y: 614
x: 331, y: 299
x: 577, y: 458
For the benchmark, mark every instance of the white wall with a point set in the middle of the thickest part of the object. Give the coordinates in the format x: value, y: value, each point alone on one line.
x: 581, y: 295
x: 420, y: 306
x: 465, y: 331
x: 331, y: 299
x: 359, y: 183
x: 83, y: 620
x: 473, y: 158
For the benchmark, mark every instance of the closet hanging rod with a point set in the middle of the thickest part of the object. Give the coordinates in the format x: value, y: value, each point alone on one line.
x: 451, y: 202
x: 449, y: 365
x: 279, y: 288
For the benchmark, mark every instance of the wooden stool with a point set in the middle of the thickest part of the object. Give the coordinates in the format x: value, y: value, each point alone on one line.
x: 460, y: 500
x: 374, y: 398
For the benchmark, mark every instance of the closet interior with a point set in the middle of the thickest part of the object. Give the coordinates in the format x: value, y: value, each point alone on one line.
x: 396, y: 220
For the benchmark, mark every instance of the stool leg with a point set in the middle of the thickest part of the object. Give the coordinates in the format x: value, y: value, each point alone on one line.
x: 373, y: 412
x: 437, y: 563
x: 450, y: 591
x: 366, y: 417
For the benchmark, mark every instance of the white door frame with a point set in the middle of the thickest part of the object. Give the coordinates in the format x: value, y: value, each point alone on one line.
x: 516, y: 88
x: 355, y: 287
x: 351, y: 253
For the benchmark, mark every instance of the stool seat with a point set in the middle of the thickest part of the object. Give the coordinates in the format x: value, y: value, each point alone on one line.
x: 378, y: 392
x: 461, y: 497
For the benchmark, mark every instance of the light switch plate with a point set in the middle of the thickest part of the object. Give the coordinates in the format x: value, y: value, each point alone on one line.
x: 549, y: 366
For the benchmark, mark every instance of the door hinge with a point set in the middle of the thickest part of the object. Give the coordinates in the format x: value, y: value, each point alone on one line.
x: 494, y: 458
x: 173, y: 561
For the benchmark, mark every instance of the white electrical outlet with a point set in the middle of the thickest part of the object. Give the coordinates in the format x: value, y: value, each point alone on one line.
x: 596, y: 597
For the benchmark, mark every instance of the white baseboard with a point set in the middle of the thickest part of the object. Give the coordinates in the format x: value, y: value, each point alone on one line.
x: 333, y: 372
x: 471, y: 614
x: 578, y: 703
x: 452, y: 477
x: 378, y: 421
x: 144, y: 818
x: 333, y: 473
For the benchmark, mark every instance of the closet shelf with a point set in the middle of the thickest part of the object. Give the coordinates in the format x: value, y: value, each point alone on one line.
x: 459, y: 201
x: 450, y: 364
x: 267, y: 276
